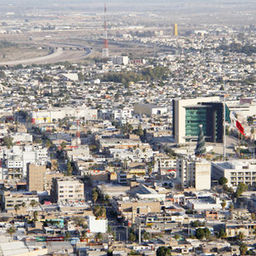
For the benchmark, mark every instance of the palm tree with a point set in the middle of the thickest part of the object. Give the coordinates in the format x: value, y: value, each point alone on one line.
x: 67, y: 235
x: 95, y: 196
x: 223, y: 204
x: 99, y: 236
x: 11, y: 231
x: 16, y: 207
x: 33, y: 203
x: 35, y: 215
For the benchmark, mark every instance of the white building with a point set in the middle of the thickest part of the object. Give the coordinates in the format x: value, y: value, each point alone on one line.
x: 120, y: 60
x: 16, y: 160
x: 236, y: 171
x: 187, y: 116
x: 82, y: 152
x: 51, y: 115
x: 122, y: 114
x: 164, y: 163
x: 149, y: 194
x: 194, y: 173
x: 22, y: 137
x: 97, y: 225
x: 204, y: 201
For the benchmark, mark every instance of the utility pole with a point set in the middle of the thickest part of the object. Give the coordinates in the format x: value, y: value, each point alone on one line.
x: 139, y: 232
x: 105, y: 50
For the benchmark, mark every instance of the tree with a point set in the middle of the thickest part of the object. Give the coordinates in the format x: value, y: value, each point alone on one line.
x: 69, y: 169
x: 103, y: 212
x: 99, y: 211
x: 240, y: 236
x: 177, y: 236
x: 11, y: 230
x: 132, y: 237
x: 16, y: 207
x: 252, y: 130
x: 200, y: 233
x: 196, y: 224
x: 8, y: 141
x: 67, y: 236
x: 33, y: 203
x: 223, y: 204
x: 250, y: 120
x: 127, y: 129
x: 35, y: 215
x: 109, y: 253
x: 48, y: 143
x: 223, y: 181
x: 99, y: 236
x: 203, y: 232
x: 95, y: 196
x: 243, y: 249
x: 240, y: 189
x: 139, y: 131
x: 207, y: 233
x: 63, y: 145
x: 163, y: 251
x: 222, y: 233
x: 146, y: 236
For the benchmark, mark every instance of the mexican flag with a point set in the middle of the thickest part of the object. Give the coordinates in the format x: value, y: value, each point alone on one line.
x: 230, y: 117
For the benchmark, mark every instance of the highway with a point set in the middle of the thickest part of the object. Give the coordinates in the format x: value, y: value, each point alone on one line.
x: 57, y: 56
x: 53, y: 55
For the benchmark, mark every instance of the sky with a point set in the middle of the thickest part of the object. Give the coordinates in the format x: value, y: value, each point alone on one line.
x: 182, y: 7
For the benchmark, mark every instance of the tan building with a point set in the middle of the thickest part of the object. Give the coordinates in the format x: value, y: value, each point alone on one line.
x: 67, y: 189
x: 49, y: 176
x: 36, y: 177
x: 8, y: 199
x: 234, y: 228
x: 130, y: 210
x: 194, y: 173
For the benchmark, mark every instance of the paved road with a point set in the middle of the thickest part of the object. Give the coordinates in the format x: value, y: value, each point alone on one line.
x: 55, y: 54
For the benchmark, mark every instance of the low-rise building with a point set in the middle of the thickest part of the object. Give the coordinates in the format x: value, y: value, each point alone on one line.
x: 9, y: 199
x: 235, y: 171
x: 246, y: 228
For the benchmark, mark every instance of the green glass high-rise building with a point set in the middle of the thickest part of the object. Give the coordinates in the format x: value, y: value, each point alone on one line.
x: 188, y: 114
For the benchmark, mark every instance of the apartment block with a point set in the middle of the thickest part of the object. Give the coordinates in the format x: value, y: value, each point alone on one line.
x: 67, y: 189
x: 194, y: 173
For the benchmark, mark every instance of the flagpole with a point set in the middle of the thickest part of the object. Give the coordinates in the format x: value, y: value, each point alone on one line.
x: 224, y: 126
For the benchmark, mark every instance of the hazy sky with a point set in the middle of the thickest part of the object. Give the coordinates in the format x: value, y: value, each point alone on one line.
x: 235, y: 8
x: 131, y: 3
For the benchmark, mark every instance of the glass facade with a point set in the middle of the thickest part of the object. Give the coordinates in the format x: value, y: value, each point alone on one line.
x: 195, y: 117
x: 210, y: 115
